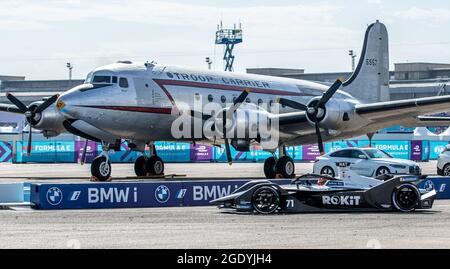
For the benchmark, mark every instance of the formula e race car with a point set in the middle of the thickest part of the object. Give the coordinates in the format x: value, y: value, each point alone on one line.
x: 318, y: 193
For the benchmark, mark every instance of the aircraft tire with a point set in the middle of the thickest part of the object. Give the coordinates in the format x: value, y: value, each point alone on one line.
x: 269, y: 168
x: 155, y: 165
x: 140, y: 166
x: 101, y: 168
x: 286, y: 167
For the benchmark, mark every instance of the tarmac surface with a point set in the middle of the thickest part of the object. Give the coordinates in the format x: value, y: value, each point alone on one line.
x: 208, y: 227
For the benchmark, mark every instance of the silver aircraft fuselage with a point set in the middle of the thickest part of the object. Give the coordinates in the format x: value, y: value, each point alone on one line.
x: 139, y: 101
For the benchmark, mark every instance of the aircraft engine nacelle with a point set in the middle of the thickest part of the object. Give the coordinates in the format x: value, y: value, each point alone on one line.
x: 335, y: 115
x: 50, y: 121
x: 245, y: 123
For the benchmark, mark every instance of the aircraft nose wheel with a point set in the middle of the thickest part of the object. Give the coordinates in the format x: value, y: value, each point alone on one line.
x: 101, y: 168
x: 266, y: 200
x: 405, y: 198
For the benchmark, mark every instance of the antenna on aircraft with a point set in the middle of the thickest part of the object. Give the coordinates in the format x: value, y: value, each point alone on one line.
x: 229, y: 38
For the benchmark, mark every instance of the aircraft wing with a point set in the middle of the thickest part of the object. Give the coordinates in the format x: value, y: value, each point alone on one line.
x: 290, y: 118
x: 9, y: 108
x: 403, y: 109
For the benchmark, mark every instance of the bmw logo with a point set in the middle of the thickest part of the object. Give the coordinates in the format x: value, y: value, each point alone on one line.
x: 429, y: 185
x: 162, y: 194
x: 54, y: 196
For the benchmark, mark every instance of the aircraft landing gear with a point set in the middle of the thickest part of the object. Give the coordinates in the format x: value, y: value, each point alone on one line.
x: 101, y: 167
x: 145, y: 166
x: 283, y: 167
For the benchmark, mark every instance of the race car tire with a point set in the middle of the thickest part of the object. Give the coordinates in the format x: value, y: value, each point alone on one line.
x: 405, y: 198
x: 269, y: 168
x: 155, y: 165
x: 382, y: 170
x: 446, y: 170
x: 139, y: 166
x: 326, y: 170
x: 265, y: 200
x: 285, y: 166
x: 101, y: 168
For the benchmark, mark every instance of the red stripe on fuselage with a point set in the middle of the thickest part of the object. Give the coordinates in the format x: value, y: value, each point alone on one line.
x: 171, y: 82
x: 156, y: 110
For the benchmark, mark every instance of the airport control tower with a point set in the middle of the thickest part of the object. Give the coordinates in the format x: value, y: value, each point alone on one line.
x: 229, y: 38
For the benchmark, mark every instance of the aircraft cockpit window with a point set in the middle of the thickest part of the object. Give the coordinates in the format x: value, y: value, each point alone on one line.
x: 123, y: 83
x: 114, y: 80
x: 88, y: 78
x: 101, y: 80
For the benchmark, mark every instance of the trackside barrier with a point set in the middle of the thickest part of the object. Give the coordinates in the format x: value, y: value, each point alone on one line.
x: 131, y: 194
x: 154, y: 194
x: 11, y: 193
x: 440, y: 184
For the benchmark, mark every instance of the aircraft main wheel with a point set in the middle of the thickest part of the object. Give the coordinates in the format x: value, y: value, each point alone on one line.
x: 101, y: 168
x: 270, y: 168
x: 286, y: 167
x: 266, y: 200
x: 139, y: 166
x: 155, y: 165
x: 382, y: 171
x: 405, y: 198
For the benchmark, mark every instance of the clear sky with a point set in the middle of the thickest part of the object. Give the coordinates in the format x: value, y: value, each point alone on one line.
x: 37, y: 38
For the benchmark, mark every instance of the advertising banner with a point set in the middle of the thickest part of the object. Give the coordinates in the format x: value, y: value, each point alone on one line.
x: 397, y: 149
x: 416, y: 150
x: 201, y: 153
x: 174, y: 152
x: 91, y: 151
x: 130, y: 195
x: 221, y: 156
x: 310, y: 152
x: 436, y: 148
x: 47, y: 152
x: 6, y: 152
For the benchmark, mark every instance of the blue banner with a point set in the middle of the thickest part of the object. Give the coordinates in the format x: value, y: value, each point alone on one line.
x: 6, y: 152
x: 397, y: 149
x: 130, y: 195
x: 436, y: 148
x: 46, y: 152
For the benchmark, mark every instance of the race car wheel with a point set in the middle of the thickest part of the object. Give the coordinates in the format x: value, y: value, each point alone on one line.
x: 155, y: 165
x: 101, y: 168
x: 139, y: 166
x: 286, y: 167
x: 446, y: 170
x: 269, y: 168
x: 383, y: 170
x: 327, y: 171
x: 405, y: 197
x: 266, y: 200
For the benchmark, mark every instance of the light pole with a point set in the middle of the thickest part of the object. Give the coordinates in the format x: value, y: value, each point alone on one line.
x: 209, y: 62
x: 70, y: 67
x: 353, y: 56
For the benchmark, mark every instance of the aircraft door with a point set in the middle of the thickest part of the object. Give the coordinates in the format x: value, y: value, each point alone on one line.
x: 144, y: 92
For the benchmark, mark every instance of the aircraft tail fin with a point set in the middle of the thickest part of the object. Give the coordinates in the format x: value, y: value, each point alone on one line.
x: 370, y: 81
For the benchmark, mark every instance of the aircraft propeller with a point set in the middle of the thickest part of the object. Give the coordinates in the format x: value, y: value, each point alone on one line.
x: 30, y: 112
x: 313, y: 109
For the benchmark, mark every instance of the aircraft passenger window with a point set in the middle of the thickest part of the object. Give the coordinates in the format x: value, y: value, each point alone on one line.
x: 123, y: 82
x: 223, y: 99
x: 260, y: 101
x: 102, y: 79
x: 210, y: 98
x: 114, y: 80
x: 248, y: 100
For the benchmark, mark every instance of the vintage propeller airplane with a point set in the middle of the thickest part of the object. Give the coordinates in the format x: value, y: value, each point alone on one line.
x: 141, y: 102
